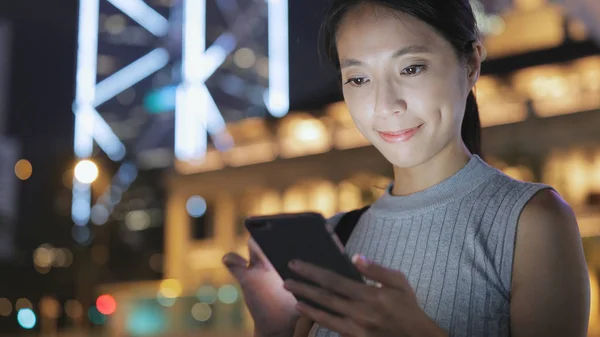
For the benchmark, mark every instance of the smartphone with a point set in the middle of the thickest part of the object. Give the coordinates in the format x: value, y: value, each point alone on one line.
x: 301, y: 236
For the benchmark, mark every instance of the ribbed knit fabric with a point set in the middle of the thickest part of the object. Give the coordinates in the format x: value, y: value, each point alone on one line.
x: 455, y: 243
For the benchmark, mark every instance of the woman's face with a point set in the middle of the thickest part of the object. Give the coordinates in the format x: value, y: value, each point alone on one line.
x: 403, y: 84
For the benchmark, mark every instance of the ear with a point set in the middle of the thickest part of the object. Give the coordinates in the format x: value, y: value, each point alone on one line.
x: 474, y: 64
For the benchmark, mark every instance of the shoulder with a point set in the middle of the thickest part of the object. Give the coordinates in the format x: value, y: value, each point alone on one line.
x: 549, y: 272
x: 547, y: 226
x: 548, y: 207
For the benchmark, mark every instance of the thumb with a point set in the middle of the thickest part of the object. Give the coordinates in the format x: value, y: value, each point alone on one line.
x: 235, y: 264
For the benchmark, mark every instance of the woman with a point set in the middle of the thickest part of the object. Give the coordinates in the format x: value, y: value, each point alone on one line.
x: 454, y: 247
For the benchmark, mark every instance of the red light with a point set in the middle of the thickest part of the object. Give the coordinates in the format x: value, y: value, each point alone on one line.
x: 106, y: 304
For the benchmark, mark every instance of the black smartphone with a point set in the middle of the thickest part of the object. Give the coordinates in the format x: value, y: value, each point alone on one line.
x: 302, y: 236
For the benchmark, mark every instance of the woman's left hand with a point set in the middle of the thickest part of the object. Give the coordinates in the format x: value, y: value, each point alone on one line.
x: 388, y: 309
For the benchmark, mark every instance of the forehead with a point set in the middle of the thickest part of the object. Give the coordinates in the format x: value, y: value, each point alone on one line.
x: 369, y: 27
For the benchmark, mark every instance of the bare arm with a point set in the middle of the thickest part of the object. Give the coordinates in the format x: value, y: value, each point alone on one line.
x: 550, y: 286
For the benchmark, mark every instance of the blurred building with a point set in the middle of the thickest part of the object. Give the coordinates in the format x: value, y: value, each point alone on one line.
x: 539, y: 98
x: 9, y: 154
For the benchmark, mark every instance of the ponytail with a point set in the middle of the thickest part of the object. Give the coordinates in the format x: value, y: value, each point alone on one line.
x: 471, y: 126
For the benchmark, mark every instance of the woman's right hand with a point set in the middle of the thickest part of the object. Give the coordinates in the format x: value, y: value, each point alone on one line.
x: 272, y: 307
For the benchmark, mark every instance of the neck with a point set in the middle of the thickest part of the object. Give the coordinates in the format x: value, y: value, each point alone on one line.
x: 442, y: 166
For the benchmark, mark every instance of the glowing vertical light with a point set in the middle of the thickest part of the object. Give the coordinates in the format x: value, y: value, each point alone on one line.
x: 87, y: 120
x: 85, y: 78
x: 191, y: 101
x: 85, y: 88
x: 278, y: 95
x: 82, y: 199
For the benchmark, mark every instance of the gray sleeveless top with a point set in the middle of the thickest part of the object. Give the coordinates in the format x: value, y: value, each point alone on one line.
x: 455, y: 243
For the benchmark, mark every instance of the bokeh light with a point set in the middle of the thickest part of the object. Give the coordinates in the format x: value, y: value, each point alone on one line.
x: 106, y: 304
x: 201, y: 312
x: 43, y: 256
x: 50, y: 307
x: 165, y: 301
x: 73, y: 309
x: 99, y: 215
x: 228, y: 294
x: 95, y: 316
x: 23, y: 169
x: 26, y: 318
x: 138, y: 220
x: 145, y: 320
x: 244, y: 58
x: 86, y: 172
x: 81, y: 234
x: 207, y: 294
x: 170, y: 288
x: 5, y: 307
x: 196, y: 206
x: 23, y: 303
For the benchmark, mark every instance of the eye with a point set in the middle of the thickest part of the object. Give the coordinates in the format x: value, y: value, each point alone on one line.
x: 412, y: 70
x: 357, y: 81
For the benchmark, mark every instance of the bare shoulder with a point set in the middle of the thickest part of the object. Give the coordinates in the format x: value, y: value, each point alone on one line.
x: 550, y: 278
x: 547, y: 204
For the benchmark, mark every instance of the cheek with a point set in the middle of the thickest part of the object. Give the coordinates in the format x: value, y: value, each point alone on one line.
x: 361, y: 109
x: 436, y: 102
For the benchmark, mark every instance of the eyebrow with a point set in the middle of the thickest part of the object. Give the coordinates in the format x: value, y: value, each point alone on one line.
x: 415, y: 49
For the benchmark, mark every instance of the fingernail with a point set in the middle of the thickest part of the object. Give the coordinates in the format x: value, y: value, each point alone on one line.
x: 293, y: 264
x: 360, y: 260
x: 228, y: 261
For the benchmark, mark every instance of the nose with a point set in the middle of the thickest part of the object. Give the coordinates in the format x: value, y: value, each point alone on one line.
x: 389, y: 99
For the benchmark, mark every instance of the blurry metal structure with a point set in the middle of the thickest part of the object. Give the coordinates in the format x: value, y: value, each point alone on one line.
x: 9, y: 152
x: 132, y: 48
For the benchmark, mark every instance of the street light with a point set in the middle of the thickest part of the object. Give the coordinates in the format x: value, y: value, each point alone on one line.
x: 86, y: 171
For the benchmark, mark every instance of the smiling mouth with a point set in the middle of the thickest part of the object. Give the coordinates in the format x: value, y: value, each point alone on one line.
x: 399, y: 136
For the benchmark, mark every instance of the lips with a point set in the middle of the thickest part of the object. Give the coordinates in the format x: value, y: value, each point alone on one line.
x: 399, y: 136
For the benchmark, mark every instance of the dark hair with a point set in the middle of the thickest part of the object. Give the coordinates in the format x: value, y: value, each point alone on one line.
x: 453, y: 19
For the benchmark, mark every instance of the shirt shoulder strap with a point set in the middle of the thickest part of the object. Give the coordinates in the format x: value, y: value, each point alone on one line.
x: 347, y: 222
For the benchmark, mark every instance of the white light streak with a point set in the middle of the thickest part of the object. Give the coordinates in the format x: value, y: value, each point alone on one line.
x: 106, y: 138
x: 278, y: 94
x: 191, y: 100
x: 194, y: 39
x: 84, y: 129
x: 130, y: 75
x: 81, y: 207
x: 190, y: 122
x: 144, y: 15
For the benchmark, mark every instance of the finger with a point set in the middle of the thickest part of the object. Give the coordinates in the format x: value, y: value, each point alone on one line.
x: 321, y: 296
x: 386, y: 276
x: 343, y: 326
x: 236, y: 264
x: 330, y: 280
x: 234, y: 260
x: 358, y: 311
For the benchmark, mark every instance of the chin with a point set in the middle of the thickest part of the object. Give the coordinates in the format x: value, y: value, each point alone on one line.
x: 405, y: 157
